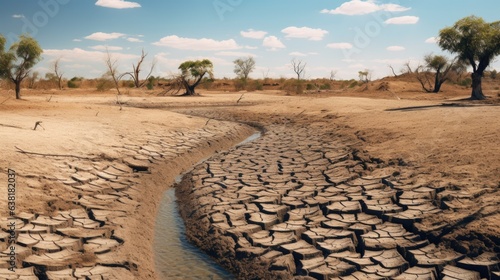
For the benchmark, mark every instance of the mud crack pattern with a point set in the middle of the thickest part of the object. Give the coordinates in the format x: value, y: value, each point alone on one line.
x: 83, y: 241
x: 297, y: 203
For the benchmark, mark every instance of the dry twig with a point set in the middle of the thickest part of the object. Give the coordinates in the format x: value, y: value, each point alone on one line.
x: 19, y: 150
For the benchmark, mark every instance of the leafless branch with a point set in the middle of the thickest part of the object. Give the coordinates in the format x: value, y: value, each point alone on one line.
x: 112, y: 70
x: 299, y: 68
x: 38, y: 123
x: 19, y: 150
x: 241, y: 97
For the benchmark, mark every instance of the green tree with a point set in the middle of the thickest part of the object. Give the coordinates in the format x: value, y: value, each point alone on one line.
x: 440, y: 65
x: 476, y: 42
x: 192, y: 73
x: 365, y: 76
x: 15, y: 64
x: 243, y: 67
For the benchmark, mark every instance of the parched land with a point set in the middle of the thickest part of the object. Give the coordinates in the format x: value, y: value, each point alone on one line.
x: 336, y: 188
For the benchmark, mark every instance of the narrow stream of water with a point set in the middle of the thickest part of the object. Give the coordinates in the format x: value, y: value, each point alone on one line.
x: 175, y: 257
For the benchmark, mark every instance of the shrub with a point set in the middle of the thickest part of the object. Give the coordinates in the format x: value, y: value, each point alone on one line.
x: 294, y: 86
x: 240, y: 84
x: 151, y: 82
x: 325, y: 86
x: 104, y: 84
x: 258, y: 85
x: 467, y: 82
x: 310, y: 87
x: 129, y: 84
x: 254, y: 85
x: 207, y: 83
x: 72, y: 84
x: 353, y: 84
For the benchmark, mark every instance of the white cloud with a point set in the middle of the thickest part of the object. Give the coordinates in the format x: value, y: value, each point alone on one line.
x: 359, y: 7
x: 134, y: 40
x: 81, y: 55
x: 204, y: 44
x: 392, y: 61
x: 342, y: 46
x: 78, y: 66
x: 117, y: 4
x: 313, y: 34
x: 403, y: 20
x: 357, y: 66
x: 77, y: 40
x: 241, y: 54
x: 431, y: 40
x: 18, y: 16
x: 302, y: 54
x: 253, y: 34
x: 273, y: 43
x: 104, y: 48
x: 395, y: 48
x: 101, y: 36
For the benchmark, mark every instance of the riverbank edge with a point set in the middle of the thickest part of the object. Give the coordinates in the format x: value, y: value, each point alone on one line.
x: 141, y: 231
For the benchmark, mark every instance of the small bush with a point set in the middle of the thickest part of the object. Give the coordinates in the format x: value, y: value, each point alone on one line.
x: 240, y: 84
x: 294, y: 86
x: 207, y: 83
x: 128, y: 84
x: 310, y: 87
x: 151, y: 83
x: 254, y: 85
x: 258, y: 85
x: 325, y: 86
x: 104, y: 84
x: 466, y: 82
x: 353, y: 84
x: 72, y: 84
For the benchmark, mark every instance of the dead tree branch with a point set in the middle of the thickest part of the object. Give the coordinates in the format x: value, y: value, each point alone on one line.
x: 38, y: 123
x: 241, y: 97
x: 19, y: 150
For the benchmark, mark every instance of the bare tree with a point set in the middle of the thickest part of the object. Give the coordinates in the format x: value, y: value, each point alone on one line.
x: 111, y: 64
x: 57, y: 72
x: 299, y: 68
x: 407, y: 68
x: 137, y: 69
x: 392, y: 70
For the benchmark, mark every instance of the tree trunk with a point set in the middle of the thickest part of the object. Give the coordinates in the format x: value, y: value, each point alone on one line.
x: 477, y: 91
x: 189, y: 89
x: 18, y: 89
x: 437, y: 82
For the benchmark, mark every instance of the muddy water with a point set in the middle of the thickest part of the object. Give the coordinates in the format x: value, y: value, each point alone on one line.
x: 175, y: 257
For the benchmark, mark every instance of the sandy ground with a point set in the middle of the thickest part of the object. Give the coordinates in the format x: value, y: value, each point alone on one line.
x: 454, y: 147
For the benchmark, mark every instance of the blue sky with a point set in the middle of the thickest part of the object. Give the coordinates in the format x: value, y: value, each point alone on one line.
x: 344, y: 36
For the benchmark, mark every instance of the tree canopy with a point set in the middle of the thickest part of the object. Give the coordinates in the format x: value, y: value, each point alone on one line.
x: 192, y: 73
x: 438, y: 66
x: 475, y: 41
x: 243, y: 67
x: 15, y: 64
